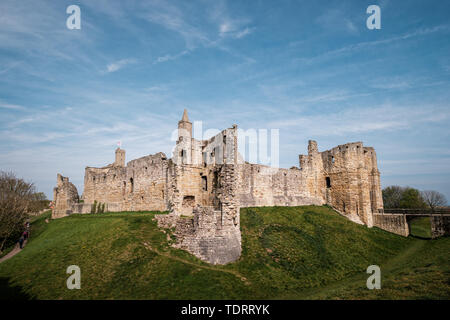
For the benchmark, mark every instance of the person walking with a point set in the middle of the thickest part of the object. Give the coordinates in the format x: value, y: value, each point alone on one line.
x: 21, y: 240
x: 25, y: 235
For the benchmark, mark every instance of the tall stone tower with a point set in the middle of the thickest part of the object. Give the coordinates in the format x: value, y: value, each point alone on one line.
x: 120, y: 158
x: 184, y: 143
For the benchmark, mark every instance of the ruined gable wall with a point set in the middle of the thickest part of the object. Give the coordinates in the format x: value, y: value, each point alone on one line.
x: 65, y: 195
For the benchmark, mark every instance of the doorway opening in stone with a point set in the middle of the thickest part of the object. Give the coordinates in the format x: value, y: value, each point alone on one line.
x: 188, y: 202
x: 328, y: 181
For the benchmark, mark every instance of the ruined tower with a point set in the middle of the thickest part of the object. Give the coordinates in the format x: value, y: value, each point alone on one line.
x: 120, y: 158
x: 184, y: 145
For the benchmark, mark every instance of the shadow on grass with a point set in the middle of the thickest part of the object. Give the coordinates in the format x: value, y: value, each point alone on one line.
x: 419, y: 237
x: 8, y: 292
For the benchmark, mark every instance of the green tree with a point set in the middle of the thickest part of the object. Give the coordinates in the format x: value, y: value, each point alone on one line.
x: 411, y: 199
x: 403, y: 198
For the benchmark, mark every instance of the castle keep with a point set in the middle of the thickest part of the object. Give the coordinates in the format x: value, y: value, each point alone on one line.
x: 206, y: 182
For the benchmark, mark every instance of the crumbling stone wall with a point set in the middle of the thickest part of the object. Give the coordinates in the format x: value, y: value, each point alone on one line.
x: 65, y: 195
x: 141, y: 185
x: 440, y: 226
x: 212, y: 234
x: 265, y: 186
x: 345, y: 177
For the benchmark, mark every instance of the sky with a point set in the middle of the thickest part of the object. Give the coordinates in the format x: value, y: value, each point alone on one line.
x: 311, y: 69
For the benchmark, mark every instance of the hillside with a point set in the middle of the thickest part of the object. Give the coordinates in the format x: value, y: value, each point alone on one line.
x: 288, y: 253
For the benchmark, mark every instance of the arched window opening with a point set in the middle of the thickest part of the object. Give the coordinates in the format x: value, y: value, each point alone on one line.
x: 204, y: 183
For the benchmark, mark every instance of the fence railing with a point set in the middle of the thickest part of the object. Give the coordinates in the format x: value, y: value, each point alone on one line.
x: 416, y: 211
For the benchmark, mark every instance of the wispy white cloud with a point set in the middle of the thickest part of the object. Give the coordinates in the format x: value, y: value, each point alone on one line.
x: 169, y: 57
x: 11, y: 106
x: 234, y: 29
x: 336, y: 20
x: 115, y: 66
x: 367, y: 44
x: 358, y: 120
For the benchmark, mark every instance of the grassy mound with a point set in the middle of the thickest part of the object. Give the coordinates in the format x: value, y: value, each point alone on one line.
x: 288, y: 253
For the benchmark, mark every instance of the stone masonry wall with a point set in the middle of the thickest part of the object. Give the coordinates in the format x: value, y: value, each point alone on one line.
x: 440, y: 226
x: 141, y: 185
x: 65, y: 195
x: 265, y: 186
x: 212, y: 235
x: 395, y: 223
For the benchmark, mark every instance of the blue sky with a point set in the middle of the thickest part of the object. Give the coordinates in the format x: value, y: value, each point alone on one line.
x: 311, y: 69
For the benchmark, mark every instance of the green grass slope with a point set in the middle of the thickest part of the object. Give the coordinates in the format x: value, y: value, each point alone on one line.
x: 288, y: 253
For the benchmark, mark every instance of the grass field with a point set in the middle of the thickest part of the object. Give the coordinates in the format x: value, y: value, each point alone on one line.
x: 421, y: 227
x: 288, y: 253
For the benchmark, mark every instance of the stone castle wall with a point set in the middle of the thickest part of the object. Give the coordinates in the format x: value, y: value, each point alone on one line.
x: 141, y: 185
x: 265, y: 186
x: 212, y: 234
x: 395, y: 223
x: 209, y: 174
x: 440, y: 226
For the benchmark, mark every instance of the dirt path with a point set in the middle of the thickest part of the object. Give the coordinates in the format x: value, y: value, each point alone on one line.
x: 13, y: 252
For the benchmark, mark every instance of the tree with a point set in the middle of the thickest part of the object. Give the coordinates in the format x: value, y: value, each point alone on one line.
x: 39, y: 196
x: 16, y: 196
x: 392, y: 196
x: 411, y: 199
x: 434, y: 199
x: 39, y: 202
x: 402, y: 197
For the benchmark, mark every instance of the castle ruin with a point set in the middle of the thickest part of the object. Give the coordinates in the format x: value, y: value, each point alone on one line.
x: 206, y: 182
